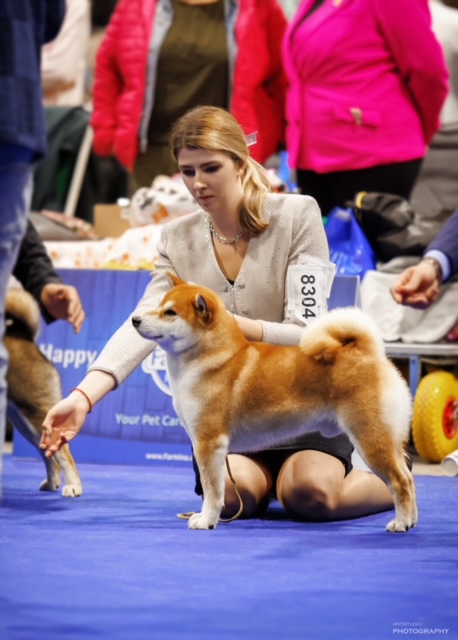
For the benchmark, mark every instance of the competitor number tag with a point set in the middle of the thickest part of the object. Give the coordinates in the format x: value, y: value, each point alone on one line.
x: 306, y: 293
x: 309, y: 285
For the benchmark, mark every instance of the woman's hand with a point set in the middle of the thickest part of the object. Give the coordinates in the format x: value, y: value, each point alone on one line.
x: 63, y: 422
x: 251, y: 329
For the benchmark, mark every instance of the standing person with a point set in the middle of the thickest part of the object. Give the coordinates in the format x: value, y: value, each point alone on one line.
x: 160, y: 58
x: 64, y: 61
x: 25, y: 25
x: 240, y: 244
x: 366, y: 90
x: 289, y: 7
x: 419, y: 286
x: 445, y: 25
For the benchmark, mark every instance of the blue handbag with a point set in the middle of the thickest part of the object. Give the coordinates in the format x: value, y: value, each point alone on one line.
x: 349, y: 248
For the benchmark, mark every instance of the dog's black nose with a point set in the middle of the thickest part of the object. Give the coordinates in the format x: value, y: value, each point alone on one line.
x: 136, y: 321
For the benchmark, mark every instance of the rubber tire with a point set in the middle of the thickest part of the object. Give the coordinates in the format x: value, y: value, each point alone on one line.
x: 433, y: 394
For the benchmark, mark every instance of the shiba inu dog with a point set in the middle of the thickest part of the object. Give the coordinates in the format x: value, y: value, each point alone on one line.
x: 236, y: 395
x: 34, y: 387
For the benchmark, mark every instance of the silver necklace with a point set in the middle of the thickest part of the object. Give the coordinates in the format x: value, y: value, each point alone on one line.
x: 234, y: 241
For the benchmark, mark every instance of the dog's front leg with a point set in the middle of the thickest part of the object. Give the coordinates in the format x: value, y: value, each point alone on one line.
x: 210, y: 456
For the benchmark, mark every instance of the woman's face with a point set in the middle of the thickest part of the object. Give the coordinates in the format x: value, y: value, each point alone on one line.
x: 212, y: 178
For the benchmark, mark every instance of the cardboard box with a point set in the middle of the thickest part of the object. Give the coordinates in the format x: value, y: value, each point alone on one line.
x: 110, y: 220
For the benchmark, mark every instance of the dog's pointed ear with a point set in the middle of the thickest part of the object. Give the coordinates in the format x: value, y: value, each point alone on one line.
x: 203, y: 308
x: 175, y: 280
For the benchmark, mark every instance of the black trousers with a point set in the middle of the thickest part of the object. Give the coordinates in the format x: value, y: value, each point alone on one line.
x: 337, y: 188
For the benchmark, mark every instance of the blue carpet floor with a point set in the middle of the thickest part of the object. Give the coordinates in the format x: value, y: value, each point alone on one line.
x: 117, y: 564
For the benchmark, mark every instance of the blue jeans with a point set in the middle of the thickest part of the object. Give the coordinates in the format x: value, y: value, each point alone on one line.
x: 15, y: 194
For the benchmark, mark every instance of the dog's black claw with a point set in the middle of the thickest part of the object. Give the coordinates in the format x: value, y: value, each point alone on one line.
x: 211, y: 526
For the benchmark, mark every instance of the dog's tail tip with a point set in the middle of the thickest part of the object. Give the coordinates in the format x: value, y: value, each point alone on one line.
x: 340, y: 328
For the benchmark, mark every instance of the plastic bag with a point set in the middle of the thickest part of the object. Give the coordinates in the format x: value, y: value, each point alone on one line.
x: 349, y: 248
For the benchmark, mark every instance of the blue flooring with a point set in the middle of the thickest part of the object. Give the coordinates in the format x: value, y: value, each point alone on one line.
x: 117, y: 564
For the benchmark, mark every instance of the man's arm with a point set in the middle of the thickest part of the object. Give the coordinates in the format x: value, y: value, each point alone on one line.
x: 36, y: 273
x: 34, y: 268
x: 419, y: 286
x: 446, y: 242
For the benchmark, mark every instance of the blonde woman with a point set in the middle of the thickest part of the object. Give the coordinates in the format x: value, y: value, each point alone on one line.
x: 240, y: 243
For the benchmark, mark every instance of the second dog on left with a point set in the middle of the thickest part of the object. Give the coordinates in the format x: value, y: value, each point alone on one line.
x: 34, y: 386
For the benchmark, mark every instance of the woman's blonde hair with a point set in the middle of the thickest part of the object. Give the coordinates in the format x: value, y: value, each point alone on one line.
x: 214, y: 129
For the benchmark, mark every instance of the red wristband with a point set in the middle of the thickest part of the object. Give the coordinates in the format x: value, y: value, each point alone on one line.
x: 91, y: 406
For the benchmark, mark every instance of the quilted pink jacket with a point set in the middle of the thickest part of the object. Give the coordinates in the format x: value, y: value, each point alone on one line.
x: 259, y: 82
x: 367, y: 82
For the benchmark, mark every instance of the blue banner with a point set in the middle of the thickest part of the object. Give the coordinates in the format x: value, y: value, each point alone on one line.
x: 136, y: 423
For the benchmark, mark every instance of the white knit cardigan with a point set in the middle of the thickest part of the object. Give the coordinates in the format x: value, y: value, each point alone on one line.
x: 259, y: 292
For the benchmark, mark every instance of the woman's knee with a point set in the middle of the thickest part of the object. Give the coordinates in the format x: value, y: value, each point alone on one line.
x: 246, y: 501
x: 309, y: 485
x: 248, y: 490
x: 308, y: 501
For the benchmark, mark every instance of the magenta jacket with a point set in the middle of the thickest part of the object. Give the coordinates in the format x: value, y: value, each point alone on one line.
x: 367, y: 83
x: 125, y: 68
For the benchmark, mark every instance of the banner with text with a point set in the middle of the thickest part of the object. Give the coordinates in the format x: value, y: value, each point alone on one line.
x: 136, y: 423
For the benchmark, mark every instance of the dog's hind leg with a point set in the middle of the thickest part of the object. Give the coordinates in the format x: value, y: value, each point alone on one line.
x: 387, y: 460
x: 210, y: 456
x: 72, y: 487
x: 403, y: 462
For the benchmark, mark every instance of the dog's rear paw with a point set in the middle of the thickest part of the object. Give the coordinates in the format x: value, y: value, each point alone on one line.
x: 48, y: 485
x: 199, y: 521
x: 72, y: 490
x: 398, y: 526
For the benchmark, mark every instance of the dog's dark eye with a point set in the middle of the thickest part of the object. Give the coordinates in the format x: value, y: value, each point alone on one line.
x: 170, y: 312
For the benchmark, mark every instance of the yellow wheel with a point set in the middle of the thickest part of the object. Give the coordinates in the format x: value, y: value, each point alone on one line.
x: 435, y: 416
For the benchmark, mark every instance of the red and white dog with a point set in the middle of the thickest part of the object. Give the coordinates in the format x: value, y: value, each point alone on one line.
x: 232, y: 394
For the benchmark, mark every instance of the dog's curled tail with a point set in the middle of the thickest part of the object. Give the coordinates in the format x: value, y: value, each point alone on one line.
x: 347, y: 327
x: 22, y: 313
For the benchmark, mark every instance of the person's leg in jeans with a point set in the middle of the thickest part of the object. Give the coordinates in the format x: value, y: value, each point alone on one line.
x: 15, y: 190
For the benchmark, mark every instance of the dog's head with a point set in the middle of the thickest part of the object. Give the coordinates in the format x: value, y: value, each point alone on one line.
x: 185, y: 314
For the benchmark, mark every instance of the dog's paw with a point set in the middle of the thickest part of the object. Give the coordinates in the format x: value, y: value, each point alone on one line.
x: 48, y: 485
x: 398, y: 526
x: 72, y: 490
x: 199, y: 521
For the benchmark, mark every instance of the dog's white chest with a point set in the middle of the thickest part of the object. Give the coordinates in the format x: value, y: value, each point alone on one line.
x: 183, y: 384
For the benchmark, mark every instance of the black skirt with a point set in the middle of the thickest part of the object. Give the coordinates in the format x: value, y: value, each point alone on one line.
x: 339, y: 447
